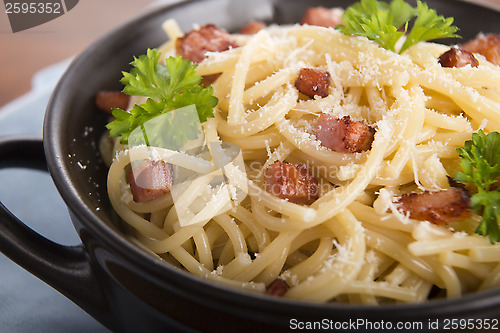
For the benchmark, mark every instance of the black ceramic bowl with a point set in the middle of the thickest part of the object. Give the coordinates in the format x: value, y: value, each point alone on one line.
x: 123, y: 286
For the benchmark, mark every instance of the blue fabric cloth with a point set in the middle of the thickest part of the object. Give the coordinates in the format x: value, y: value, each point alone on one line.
x: 26, y: 303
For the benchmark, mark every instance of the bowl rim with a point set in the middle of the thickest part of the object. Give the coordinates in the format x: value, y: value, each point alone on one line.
x: 234, y: 300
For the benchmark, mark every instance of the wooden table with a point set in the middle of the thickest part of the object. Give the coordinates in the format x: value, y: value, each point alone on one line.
x: 22, y: 54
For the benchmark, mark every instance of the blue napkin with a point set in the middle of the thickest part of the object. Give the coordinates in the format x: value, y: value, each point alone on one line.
x: 26, y: 303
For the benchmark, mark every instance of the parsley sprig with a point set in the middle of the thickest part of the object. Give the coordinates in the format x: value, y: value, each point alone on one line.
x: 480, y: 163
x: 386, y: 23
x: 168, y: 86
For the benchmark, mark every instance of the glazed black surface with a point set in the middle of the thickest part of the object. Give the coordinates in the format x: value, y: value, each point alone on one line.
x: 142, y: 292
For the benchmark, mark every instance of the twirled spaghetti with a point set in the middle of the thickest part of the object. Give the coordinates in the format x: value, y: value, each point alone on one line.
x: 352, y: 244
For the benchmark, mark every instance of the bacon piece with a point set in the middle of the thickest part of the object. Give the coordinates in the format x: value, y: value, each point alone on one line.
x: 488, y: 45
x: 496, y: 184
x: 313, y: 82
x: 150, y: 180
x: 252, y: 28
x: 441, y: 207
x: 207, y: 80
x: 277, y: 288
x: 344, y: 135
x: 195, y: 44
x: 456, y: 57
x: 323, y: 17
x: 108, y: 100
x: 292, y: 182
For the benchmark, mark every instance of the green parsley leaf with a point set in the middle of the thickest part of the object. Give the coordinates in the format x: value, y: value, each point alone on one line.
x: 202, y: 97
x: 169, y: 86
x: 402, y: 13
x: 429, y: 26
x: 480, y: 163
x: 387, y: 23
x: 125, y: 122
x: 165, y: 131
x: 374, y: 20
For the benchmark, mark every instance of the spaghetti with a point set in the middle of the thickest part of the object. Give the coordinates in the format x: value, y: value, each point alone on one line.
x: 352, y: 244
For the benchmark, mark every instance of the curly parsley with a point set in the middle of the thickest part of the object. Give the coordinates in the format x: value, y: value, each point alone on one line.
x: 386, y: 23
x: 168, y: 86
x: 480, y: 163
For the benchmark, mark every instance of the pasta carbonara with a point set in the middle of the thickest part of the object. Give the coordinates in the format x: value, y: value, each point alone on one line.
x: 350, y: 240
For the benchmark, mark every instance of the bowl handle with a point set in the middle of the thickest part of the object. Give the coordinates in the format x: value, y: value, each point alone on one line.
x: 65, y: 268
